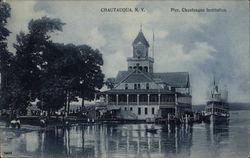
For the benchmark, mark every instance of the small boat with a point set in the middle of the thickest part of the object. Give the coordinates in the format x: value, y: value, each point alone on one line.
x: 217, y: 107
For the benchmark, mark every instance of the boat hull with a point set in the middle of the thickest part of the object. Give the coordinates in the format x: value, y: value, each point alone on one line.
x: 216, y: 119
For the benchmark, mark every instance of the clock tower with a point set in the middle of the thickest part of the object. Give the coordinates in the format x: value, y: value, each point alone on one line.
x: 140, y: 59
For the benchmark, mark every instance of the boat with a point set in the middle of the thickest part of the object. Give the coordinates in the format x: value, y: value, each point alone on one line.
x: 217, y: 107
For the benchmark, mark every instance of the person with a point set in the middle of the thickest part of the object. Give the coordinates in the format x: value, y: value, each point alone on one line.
x: 7, y: 124
x: 18, y: 123
x: 13, y: 123
x: 42, y: 122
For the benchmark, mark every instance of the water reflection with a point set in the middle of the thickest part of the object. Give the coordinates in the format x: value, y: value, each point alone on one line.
x: 130, y: 140
x: 105, y: 141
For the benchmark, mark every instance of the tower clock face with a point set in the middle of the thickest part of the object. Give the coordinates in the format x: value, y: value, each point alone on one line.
x: 138, y: 53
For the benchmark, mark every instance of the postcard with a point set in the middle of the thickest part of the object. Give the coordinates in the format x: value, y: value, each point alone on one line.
x: 124, y: 79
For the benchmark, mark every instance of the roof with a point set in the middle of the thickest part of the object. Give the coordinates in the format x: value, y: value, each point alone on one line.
x: 174, y: 79
x: 137, y: 91
x: 122, y: 75
x: 141, y: 38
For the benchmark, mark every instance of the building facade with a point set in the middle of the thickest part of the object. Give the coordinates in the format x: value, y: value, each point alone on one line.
x: 141, y: 94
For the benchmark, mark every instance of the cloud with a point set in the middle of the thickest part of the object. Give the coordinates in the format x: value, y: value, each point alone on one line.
x: 21, y: 14
x: 115, y: 62
x: 96, y: 39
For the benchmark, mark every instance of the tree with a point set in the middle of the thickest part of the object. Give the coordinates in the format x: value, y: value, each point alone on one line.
x: 91, y: 76
x: 71, y: 71
x: 59, y: 76
x: 29, y: 60
x: 110, y: 82
x: 54, y: 73
x: 5, y: 56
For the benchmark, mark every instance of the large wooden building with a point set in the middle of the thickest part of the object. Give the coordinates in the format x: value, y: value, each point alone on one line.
x: 141, y: 94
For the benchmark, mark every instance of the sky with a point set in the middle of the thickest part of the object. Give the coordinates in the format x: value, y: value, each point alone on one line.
x: 204, y: 44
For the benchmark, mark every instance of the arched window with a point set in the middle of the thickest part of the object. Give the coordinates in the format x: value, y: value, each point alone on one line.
x: 130, y: 67
x: 145, y: 68
x: 140, y: 68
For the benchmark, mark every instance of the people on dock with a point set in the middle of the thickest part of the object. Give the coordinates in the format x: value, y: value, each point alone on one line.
x: 15, y: 122
x: 43, y: 122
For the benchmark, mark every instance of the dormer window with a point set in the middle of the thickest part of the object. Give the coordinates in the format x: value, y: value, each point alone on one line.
x: 139, y: 86
x: 169, y: 88
x: 126, y: 86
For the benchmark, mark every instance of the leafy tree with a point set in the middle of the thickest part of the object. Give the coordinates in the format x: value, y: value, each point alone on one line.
x: 5, y: 56
x: 110, y: 82
x: 78, y: 69
x: 28, y: 62
x: 91, y: 76
x: 59, y: 76
x: 54, y: 73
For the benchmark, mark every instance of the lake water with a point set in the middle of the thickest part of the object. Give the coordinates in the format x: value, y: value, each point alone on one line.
x: 132, y: 140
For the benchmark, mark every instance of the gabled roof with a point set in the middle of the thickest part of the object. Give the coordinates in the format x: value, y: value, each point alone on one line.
x: 137, y: 77
x: 122, y: 75
x: 174, y: 79
x: 141, y: 38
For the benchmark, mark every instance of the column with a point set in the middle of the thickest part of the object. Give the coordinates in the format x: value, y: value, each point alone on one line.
x: 107, y: 98
x: 117, y: 99
x: 138, y: 99
x: 176, y: 101
x: 95, y: 98
x: 176, y: 111
x: 148, y: 98
x: 159, y: 99
x: 127, y: 98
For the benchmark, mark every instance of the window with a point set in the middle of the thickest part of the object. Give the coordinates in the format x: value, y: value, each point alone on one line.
x: 139, y: 111
x: 135, y: 86
x: 153, y: 111
x: 132, y: 98
x: 146, y: 111
x: 145, y: 68
x: 131, y: 109
x: 139, y: 86
x: 126, y: 86
x: 130, y: 67
x: 125, y: 108
x: 140, y: 68
x: 147, y: 86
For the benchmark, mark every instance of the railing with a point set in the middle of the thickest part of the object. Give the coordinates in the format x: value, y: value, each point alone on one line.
x: 143, y: 103
x: 122, y: 103
x: 167, y: 103
x: 140, y: 103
